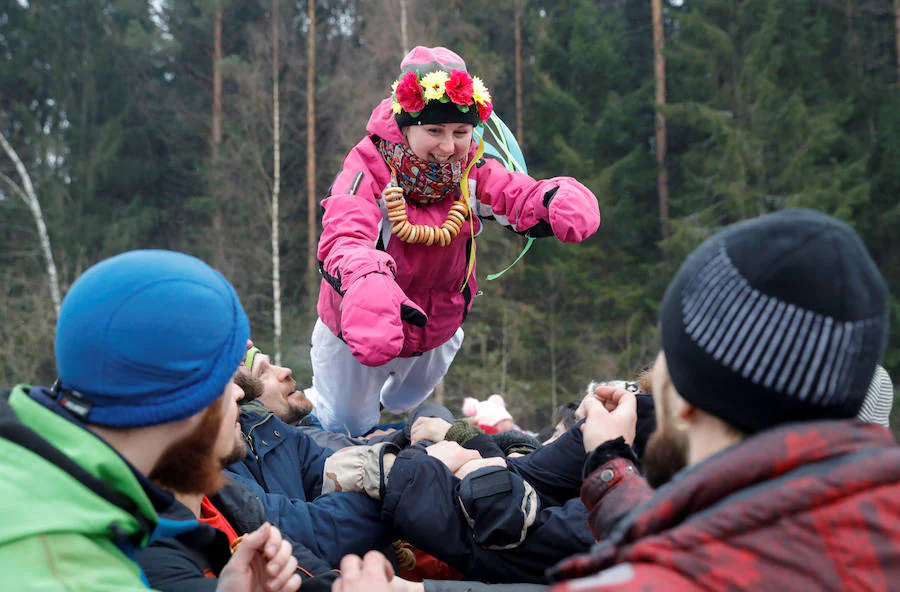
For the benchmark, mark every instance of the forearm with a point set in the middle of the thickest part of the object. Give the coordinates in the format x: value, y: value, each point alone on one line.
x: 613, y: 486
x: 555, y: 470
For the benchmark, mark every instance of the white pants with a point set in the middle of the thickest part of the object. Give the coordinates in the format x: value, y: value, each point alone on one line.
x: 346, y: 393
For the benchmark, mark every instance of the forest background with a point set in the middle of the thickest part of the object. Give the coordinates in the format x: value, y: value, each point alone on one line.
x: 152, y: 124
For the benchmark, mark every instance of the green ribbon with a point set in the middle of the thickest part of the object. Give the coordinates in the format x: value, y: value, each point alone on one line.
x: 494, y: 276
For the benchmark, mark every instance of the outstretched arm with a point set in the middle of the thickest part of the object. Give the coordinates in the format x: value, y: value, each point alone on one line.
x: 330, y: 526
x: 560, y: 206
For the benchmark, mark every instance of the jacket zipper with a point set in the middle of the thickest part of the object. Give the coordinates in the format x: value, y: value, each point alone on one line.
x: 249, y: 438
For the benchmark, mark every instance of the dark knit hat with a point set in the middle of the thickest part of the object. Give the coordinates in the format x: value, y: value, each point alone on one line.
x: 146, y: 338
x: 435, y: 87
x: 777, y: 319
x: 516, y: 441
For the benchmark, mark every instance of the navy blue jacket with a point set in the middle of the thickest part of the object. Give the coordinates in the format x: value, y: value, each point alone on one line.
x: 284, y: 468
x: 192, y: 561
x: 467, y: 523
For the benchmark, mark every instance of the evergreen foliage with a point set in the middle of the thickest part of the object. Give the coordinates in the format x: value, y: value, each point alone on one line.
x: 770, y: 105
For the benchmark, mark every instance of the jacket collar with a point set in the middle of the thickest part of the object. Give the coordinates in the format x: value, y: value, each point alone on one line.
x: 240, y: 506
x: 159, y: 498
x: 254, y: 411
x: 119, y: 490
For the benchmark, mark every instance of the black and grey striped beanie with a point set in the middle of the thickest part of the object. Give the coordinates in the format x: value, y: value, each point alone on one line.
x: 777, y: 319
x: 876, y: 408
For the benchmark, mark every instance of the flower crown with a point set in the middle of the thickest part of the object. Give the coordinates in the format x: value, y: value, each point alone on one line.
x: 411, y: 93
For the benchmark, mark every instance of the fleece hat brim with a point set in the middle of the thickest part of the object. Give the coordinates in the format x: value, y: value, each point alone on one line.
x: 777, y: 319
x: 149, y: 337
x: 436, y: 112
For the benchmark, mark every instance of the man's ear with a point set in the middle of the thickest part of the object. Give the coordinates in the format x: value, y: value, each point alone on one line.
x: 681, y: 409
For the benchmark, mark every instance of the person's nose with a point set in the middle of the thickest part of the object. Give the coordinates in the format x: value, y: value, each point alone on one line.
x: 284, y: 373
x: 447, y: 146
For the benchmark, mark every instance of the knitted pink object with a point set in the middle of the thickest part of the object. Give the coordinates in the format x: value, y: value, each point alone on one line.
x: 486, y: 413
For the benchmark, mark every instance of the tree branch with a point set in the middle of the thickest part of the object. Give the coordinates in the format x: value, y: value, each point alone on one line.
x: 26, y: 192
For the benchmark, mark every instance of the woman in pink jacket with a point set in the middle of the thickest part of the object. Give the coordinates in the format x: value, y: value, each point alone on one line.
x: 396, y: 251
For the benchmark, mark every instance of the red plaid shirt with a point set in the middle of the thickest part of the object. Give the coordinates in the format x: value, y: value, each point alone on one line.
x: 802, y: 507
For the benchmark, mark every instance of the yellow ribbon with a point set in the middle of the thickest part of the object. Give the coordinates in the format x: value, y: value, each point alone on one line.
x: 464, y: 186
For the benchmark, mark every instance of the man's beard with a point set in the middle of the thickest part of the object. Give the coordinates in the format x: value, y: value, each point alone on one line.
x: 238, y: 452
x: 189, y: 465
x: 665, y: 455
x: 295, y: 412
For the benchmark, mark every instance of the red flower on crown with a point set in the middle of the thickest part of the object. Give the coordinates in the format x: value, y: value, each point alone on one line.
x: 459, y: 87
x: 484, y: 111
x: 409, y: 93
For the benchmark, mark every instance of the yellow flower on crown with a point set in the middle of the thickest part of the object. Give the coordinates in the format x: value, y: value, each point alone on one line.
x: 434, y: 85
x: 479, y: 91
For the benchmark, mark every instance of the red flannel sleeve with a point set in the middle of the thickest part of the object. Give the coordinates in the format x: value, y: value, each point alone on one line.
x: 614, y: 488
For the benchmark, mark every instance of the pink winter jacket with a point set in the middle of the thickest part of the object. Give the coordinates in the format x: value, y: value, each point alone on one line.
x: 355, y: 228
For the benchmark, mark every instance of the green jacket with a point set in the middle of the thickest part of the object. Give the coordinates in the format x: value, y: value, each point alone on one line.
x: 58, y: 532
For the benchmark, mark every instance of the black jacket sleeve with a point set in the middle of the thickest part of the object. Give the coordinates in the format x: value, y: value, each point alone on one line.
x: 555, y: 470
x: 172, y: 567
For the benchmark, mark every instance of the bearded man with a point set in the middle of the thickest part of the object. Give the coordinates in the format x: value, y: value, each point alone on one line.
x: 279, y: 395
x: 771, y: 332
x: 193, y: 561
x: 146, y: 346
x: 283, y: 467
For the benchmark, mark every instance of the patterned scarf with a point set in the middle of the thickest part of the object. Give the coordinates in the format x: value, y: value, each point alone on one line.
x: 422, y: 182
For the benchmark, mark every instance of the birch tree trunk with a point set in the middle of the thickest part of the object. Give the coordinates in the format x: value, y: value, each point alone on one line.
x: 659, y: 71
x: 404, y: 38
x: 504, y: 346
x: 517, y: 29
x: 311, y: 201
x: 28, y: 195
x: 276, y: 189
x: 217, y: 82
x: 554, y: 395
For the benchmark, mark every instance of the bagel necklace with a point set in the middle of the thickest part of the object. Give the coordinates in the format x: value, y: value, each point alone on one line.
x: 441, y: 235
x: 419, y: 233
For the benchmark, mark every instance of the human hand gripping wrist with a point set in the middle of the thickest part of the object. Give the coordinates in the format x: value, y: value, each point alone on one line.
x: 480, y: 463
x: 609, y: 413
x: 372, y: 573
x: 433, y: 429
x: 452, y: 454
x: 262, y: 563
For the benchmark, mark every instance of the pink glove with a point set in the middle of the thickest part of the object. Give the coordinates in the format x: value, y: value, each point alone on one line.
x: 573, y: 211
x: 372, y: 315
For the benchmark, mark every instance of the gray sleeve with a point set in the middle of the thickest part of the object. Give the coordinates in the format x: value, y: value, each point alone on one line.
x: 333, y: 441
x: 462, y: 586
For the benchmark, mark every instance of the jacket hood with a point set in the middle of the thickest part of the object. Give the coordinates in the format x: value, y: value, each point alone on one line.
x: 382, y: 123
x: 47, y: 498
x: 254, y: 411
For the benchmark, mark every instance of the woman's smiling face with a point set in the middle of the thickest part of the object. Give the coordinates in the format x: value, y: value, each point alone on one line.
x: 439, y: 142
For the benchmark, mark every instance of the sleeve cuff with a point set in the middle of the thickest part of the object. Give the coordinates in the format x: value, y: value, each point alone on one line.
x: 606, y: 452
